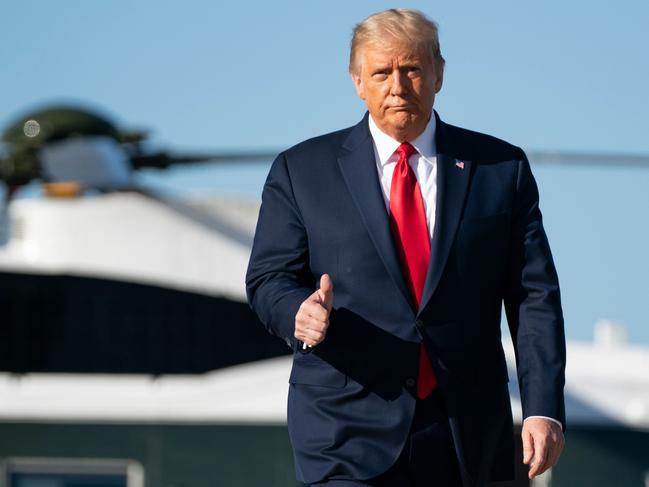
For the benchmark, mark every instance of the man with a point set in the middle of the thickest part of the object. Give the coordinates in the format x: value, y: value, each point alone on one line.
x: 382, y: 256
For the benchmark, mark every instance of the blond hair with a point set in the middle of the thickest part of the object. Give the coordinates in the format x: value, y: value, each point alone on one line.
x: 405, y: 25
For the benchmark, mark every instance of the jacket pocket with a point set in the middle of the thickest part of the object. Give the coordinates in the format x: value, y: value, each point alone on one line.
x: 310, y: 370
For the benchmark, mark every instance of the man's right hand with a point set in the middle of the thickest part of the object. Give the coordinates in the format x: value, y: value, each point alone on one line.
x: 312, y: 319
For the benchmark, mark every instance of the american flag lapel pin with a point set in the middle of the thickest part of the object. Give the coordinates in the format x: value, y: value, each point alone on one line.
x: 459, y: 165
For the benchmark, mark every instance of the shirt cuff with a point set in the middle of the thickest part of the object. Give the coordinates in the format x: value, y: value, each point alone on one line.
x: 546, y: 417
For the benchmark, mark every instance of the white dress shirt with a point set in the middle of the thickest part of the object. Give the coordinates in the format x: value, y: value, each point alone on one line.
x: 423, y: 163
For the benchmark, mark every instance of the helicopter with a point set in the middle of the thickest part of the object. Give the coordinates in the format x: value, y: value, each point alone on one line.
x: 75, y: 146
x: 99, y: 265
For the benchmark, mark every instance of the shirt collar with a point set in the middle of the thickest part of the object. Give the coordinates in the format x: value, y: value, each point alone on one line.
x: 386, y: 145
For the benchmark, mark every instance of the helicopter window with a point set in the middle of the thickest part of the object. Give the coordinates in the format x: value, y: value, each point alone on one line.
x: 95, y: 161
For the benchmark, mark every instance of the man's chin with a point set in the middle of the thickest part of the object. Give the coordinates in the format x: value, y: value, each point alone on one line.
x: 408, y: 125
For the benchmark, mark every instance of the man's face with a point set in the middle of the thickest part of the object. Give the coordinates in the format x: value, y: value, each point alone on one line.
x: 398, y: 84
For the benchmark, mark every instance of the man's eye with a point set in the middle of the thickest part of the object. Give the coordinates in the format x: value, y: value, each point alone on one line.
x: 380, y: 75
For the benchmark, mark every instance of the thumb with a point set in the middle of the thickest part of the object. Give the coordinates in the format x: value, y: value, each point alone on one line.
x: 528, y: 447
x: 326, y: 291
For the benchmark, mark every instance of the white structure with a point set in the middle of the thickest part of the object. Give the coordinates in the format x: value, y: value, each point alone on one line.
x: 132, y: 237
x: 611, y: 389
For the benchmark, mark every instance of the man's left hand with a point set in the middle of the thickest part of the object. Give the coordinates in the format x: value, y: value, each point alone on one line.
x: 542, y: 444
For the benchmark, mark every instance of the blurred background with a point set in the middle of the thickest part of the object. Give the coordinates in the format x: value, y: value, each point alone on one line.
x: 136, y: 138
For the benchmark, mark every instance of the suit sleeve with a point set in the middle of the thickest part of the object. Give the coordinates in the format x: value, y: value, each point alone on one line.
x: 533, y: 306
x: 278, y: 278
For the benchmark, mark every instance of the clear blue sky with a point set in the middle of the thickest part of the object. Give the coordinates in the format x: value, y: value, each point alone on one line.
x: 553, y: 75
x: 557, y: 74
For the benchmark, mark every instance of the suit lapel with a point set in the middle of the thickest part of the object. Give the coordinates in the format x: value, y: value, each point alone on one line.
x: 358, y: 166
x: 452, y: 183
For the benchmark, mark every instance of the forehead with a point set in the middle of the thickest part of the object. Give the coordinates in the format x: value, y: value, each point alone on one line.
x: 389, y: 52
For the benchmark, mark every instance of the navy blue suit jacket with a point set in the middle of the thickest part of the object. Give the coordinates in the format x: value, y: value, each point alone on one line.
x: 351, y: 400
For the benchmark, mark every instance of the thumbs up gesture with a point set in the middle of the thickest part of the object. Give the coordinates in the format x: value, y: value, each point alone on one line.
x: 312, y: 319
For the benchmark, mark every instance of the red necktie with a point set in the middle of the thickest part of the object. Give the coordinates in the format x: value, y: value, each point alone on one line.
x: 410, y: 232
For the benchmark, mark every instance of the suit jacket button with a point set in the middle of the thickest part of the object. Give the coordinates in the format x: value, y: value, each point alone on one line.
x: 419, y: 322
x: 410, y: 382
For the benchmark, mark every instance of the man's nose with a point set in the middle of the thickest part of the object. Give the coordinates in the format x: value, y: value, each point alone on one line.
x: 399, y: 83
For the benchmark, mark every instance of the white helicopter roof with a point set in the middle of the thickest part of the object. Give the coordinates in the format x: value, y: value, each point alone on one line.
x: 129, y: 236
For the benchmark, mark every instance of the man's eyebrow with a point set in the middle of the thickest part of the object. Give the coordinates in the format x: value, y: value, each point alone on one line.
x: 380, y: 69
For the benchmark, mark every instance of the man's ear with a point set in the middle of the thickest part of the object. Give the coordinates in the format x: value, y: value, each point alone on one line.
x: 358, y: 84
x: 439, y: 81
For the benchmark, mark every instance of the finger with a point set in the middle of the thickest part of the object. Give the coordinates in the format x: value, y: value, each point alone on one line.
x: 304, y: 322
x: 538, y: 464
x: 553, y: 457
x: 310, y: 337
x: 313, y: 298
x: 555, y: 451
x: 554, y: 445
x: 528, y: 446
x: 326, y: 291
x: 306, y: 342
x: 313, y: 310
x: 310, y: 329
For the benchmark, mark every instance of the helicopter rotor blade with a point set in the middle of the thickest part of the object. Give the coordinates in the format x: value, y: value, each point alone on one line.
x: 164, y: 160
x: 588, y: 159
